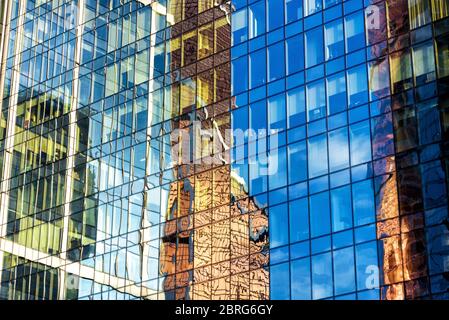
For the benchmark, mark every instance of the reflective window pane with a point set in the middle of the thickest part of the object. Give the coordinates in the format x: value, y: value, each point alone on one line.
x: 299, y: 220
x: 256, y: 19
x: 293, y: 10
x: 276, y: 63
x: 317, y: 148
x: 296, y: 105
x: 341, y: 209
x: 363, y: 202
x: 314, y: 47
x: 280, y: 279
x: 360, y: 138
x: 294, y: 47
x: 344, y: 273
x: 338, y: 149
x: 239, y: 27
x: 322, y: 276
x: 300, y: 279
x: 319, y: 214
x: 297, y: 162
x: 278, y: 227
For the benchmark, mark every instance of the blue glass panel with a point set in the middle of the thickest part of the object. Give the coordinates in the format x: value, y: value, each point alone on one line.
x: 312, y: 6
x: 340, y: 178
x: 278, y: 168
x: 355, y: 31
x: 347, y: 297
x: 344, y: 272
x: 297, y: 161
x: 319, y: 184
x: 320, y: 245
x: 300, y: 250
x: 300, y: 279
x: 257, y: 62
x: 299, y: 220
x: 314, y: 47
x: 341, y: 208
x: 276, y: 61
x: 316, y: 100
x: 296, y: 105
x: 336, y: 93
x: 316, y: 127
x: 357, y: 86
x: 363, y: 202
x: 330, y: 3
x: 278, y: 216
x: 360, y: 142
x: 367, y: 266
x: 279, y: 255
x: 358, y: 114
x: 258, y: 119
x: 335, y: 45
x: 319, y: 214
x: 240, y: 120
x: 277, y: 113
x: 275, y: 36
x: 369, y: 295
x: 278, y: 196
x: 365, y: 233
x: 317, y: 147
x: 276, y: 87
x: 256, y: 19
x: 295, y: 57
x: 338, y: 149
x: 279, y: 282
x: 275, y: 13
x: 293, y: 10
x: 297, y: 190
x: 342, y: 239
x: 239, y: 26
x: 337, y: 121
x: 257, y: 94
x: 239, y: 75
x: 258, y: 174
x: 298, y: 133
x: 333, y: 12
x: 322, y: 276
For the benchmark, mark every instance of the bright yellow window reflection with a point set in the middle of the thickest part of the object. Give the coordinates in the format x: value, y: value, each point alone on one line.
x: 440, y: 9
x: 205, y: 41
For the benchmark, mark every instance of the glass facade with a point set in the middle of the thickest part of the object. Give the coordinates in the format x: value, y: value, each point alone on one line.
x: 245, y: 149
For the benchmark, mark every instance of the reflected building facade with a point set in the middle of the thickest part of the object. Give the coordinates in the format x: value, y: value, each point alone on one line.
x: 215, y: 149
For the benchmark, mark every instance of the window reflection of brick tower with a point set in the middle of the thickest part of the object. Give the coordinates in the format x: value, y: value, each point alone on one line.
x: 400, y: 223
x: 214, y: 236
x: 217, y: 244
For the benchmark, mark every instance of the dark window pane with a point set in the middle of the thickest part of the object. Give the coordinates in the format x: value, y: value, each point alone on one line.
x: 293, y: 10
x: 275, y: 14
x: 295, y: 54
